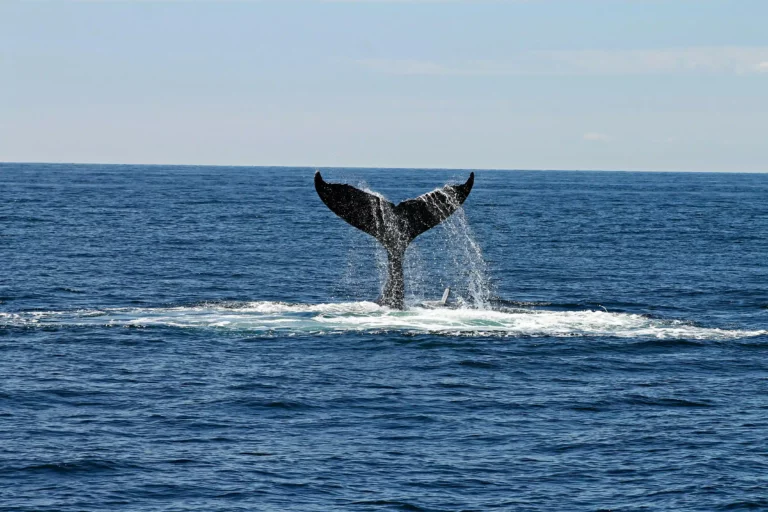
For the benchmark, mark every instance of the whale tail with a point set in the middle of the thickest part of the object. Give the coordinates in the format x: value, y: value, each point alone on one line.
x: 394, y: 226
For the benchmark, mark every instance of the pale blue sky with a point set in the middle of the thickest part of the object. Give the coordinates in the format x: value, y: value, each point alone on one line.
x: 610, y: 84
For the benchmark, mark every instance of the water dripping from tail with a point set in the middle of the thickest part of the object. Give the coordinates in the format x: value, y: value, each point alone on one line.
x: 468, y: 264
x: 394, y: 226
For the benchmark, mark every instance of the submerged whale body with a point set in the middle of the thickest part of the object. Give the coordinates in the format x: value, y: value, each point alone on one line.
x: 394, y: 226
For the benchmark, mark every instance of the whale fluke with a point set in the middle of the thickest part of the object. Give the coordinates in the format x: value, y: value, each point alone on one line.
x: 394, y: 226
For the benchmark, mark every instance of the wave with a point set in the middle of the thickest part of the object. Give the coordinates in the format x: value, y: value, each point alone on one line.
x: 281, y: 318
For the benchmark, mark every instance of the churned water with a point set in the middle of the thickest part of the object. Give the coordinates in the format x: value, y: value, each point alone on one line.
x: 205, y: 338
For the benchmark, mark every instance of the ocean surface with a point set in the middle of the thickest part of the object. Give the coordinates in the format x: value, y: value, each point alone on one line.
x: 205, y: 338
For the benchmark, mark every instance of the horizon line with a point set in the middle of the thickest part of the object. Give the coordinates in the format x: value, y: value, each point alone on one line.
x: 495, y: 169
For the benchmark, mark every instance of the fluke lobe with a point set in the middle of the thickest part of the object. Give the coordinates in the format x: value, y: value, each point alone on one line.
x: 394, y: 227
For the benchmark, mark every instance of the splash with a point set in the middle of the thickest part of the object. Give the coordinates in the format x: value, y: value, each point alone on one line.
x: 470, y: 270
x: 279, y: 318
x: 448, y: 255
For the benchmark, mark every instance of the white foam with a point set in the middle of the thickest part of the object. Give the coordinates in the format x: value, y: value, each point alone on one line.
x: 280, y: 317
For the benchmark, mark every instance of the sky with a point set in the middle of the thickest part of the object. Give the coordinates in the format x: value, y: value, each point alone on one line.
x: 654, y: 85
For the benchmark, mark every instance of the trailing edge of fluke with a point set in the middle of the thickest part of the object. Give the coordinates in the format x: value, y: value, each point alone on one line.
x: 394, y: 226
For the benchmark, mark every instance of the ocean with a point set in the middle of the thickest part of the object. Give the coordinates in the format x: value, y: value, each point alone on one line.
x: 181, y: 338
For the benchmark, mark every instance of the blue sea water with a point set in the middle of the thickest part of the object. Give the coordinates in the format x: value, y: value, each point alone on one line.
x: 203, y: 338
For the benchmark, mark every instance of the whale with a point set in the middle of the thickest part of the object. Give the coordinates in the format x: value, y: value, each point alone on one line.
x: 393, y: 226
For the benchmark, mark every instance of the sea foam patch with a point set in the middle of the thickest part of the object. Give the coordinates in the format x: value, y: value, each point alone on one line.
x: 279, y: 317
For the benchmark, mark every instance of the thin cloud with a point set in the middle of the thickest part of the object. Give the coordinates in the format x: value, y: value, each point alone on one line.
x: 596, y: 137
x: 694, y: 60
x: 407, y: 67
x: 302, y: 1
x: 427, y: 1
